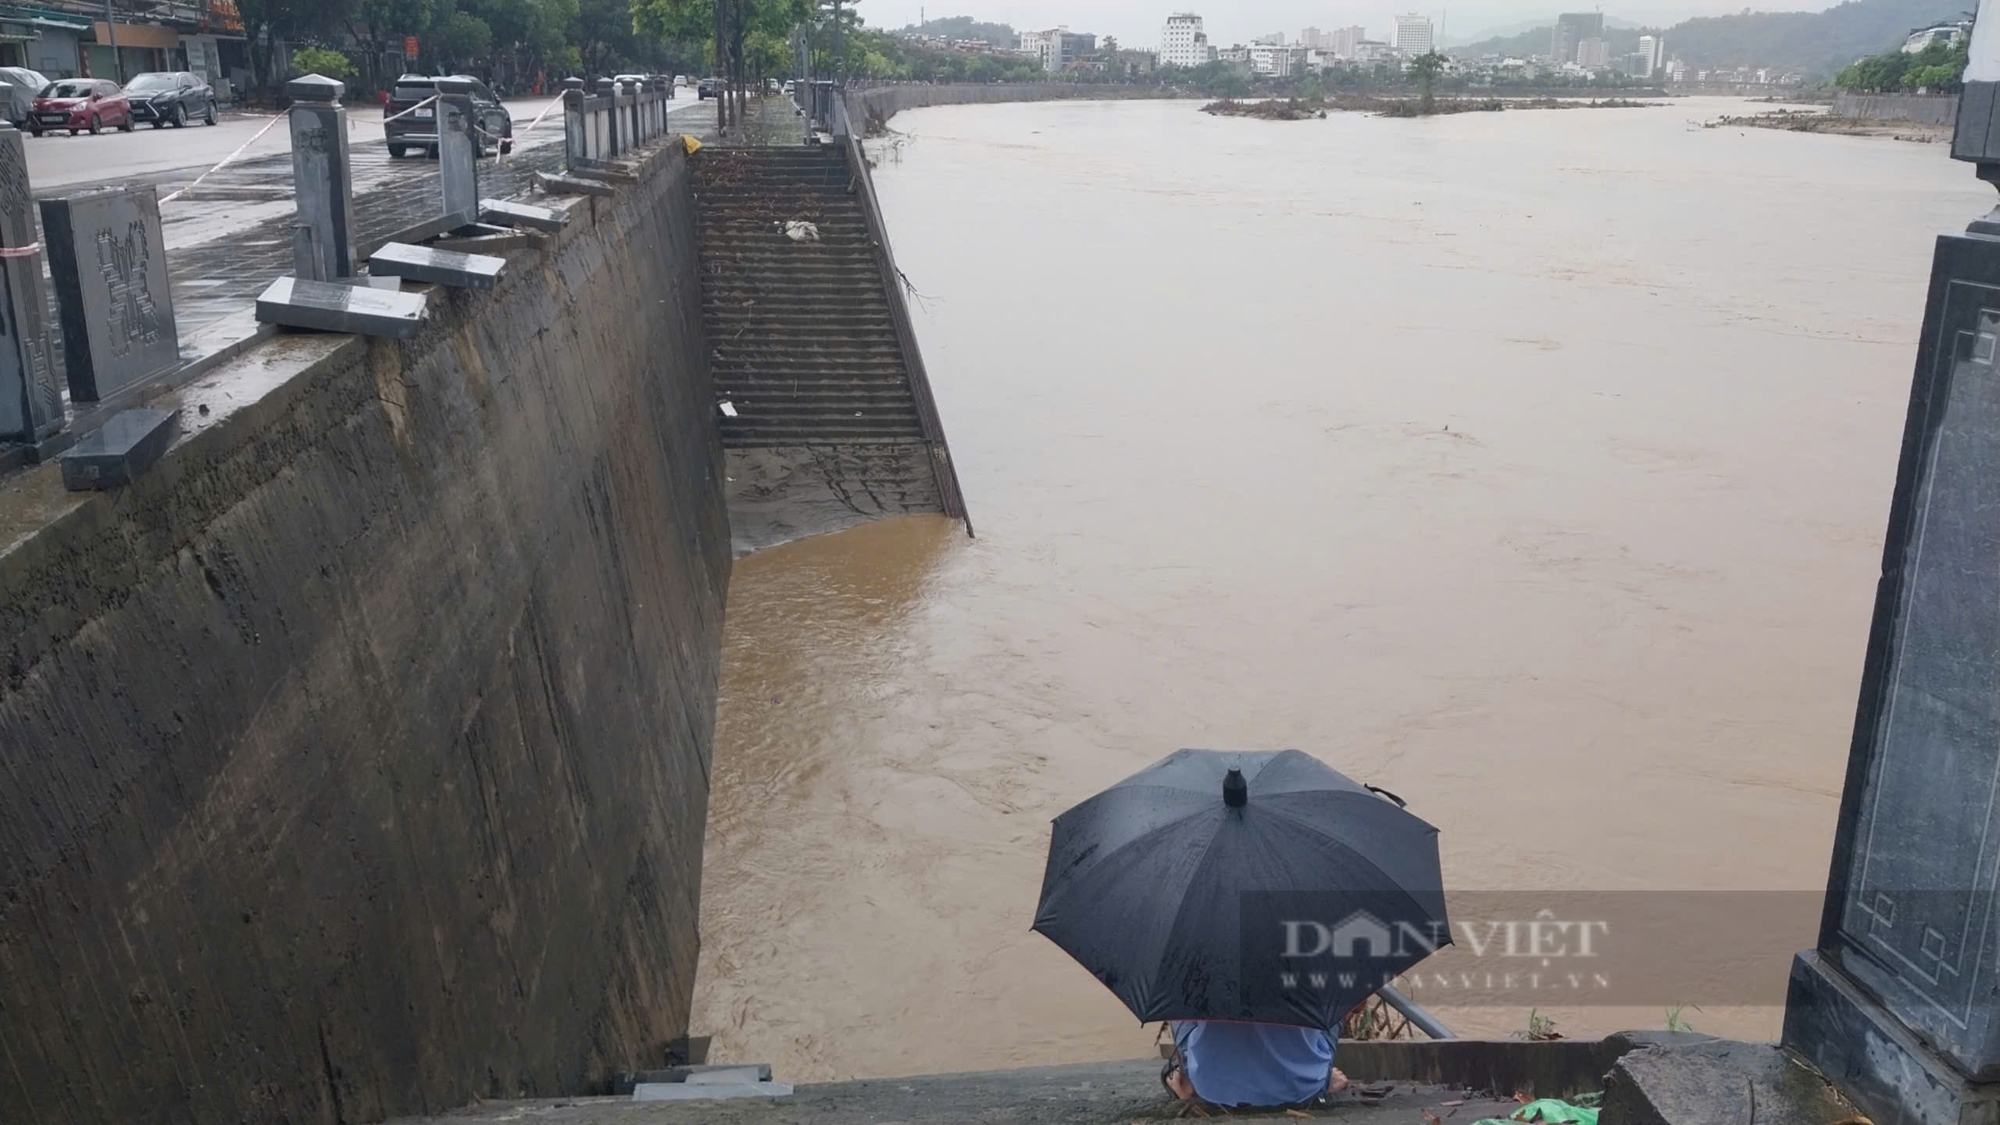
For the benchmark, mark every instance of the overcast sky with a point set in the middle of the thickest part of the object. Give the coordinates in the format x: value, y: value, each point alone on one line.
x: 1137, y: 22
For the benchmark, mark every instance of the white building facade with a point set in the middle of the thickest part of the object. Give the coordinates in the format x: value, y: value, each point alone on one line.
x: 1057, y: 47
x: 1413, y: 34
x: 1182, y: 41
x: 1652, y: 53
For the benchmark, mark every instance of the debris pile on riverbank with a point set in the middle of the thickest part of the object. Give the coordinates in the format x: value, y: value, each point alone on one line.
x: 1814, y: 121
x: 1290, y: 109
x: 1305, y: 109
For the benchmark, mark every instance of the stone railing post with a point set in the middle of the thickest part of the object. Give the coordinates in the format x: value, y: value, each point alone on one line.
x: 31, y: 406
x: 608, y: 90
x: 458, y: 149
x: 324, y: 175
x: 576, y: 130
x: 635, y: 136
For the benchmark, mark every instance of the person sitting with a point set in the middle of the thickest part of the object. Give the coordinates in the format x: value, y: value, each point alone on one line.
x: 1250, y: 1064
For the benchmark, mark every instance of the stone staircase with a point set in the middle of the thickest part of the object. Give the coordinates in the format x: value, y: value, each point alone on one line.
x: 832, y: 422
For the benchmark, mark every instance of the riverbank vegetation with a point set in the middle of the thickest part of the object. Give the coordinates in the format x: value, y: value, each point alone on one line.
x: 1937, y: 69
x: 1289, y: 109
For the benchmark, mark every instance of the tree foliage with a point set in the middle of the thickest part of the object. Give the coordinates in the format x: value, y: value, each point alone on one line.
x: 1939, y: 69
x: 322, y: 60
x: 1000, y: 35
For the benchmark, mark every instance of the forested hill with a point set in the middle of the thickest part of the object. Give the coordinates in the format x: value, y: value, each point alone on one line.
x: 1816, y: 43
x: 963, y: 27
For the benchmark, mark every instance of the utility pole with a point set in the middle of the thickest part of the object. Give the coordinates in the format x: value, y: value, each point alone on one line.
x: 111, y: 33
x: 839, y: 47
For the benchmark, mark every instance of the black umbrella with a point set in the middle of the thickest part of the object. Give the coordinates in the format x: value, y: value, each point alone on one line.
x: 1262, y: 887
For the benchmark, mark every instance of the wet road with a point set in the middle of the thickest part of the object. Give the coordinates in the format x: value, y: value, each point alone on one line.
x: 1531, y: 465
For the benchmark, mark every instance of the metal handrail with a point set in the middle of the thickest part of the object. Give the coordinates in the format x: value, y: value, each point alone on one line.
x: 1414, y: 1012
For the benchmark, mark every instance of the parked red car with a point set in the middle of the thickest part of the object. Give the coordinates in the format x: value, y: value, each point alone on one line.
x: 77, y: 104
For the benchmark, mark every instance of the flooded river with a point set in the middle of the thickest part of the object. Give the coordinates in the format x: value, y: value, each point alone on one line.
x: 1531, y: 465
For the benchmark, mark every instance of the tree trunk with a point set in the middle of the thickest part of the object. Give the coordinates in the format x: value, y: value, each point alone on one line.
x: 721, y: 68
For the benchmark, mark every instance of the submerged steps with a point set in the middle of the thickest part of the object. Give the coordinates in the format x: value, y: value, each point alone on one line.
x: 828, y: 418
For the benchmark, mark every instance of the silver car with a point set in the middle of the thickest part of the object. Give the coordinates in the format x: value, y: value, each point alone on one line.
x: 19, y: 85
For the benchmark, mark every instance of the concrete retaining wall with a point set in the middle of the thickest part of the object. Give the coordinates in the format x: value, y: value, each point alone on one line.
x: 355, y: 761
x: 1920, y: 109
x: 883, y: 102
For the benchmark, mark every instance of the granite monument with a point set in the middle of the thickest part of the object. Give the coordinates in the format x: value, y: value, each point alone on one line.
x: 108, y: 257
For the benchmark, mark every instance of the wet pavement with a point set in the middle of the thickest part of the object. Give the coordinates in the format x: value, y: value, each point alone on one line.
x: 229, y: 236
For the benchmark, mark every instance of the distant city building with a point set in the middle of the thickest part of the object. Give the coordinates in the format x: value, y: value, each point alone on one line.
x: 1129, y: 64
x: 1275, y: 60
x: 1571, y: 29
x: 1413, y: 34
x: 1275, y: 39
x: 1372, y: 51
x: 1057, y: 47
x: 1316, y: 39
x: 1925, y: 36
x: 1652, y: 54
x: 1677, y: 71
x: 1593, y: 54
x: 1345, y: 39
x: 1183, y: 43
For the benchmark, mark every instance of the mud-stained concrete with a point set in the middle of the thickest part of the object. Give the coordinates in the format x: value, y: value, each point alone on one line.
x: 782, y: 494
x: 355, y: 761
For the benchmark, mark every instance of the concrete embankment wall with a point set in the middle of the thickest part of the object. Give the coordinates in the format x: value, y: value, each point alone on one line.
x: 1916, y: 108
x: 883, y: 102
x: 355, y: 761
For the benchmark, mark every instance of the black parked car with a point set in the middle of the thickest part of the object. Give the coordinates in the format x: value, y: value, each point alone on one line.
x: 417, y: 128
x: 170, y: 97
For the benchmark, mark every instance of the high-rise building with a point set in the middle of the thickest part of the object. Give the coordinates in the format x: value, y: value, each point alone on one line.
x: 1593, y: 54
x: 1571, y: 29
x: 1413, y: 34
x: 1315, y: 38
x: 1345, y: 39
x: 1652, y: 54
x: 1182, y: 42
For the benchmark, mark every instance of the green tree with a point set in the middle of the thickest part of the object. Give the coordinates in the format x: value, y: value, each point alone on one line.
x: 1939, y: 68
x: 1424, y: 71
x: 267, y: 22
x: 457, y: 40
x: 322, y: 60
x: 377, y: 24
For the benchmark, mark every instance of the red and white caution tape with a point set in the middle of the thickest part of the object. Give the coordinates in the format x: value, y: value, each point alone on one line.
x: 225, y: 160
x: 28, y: 251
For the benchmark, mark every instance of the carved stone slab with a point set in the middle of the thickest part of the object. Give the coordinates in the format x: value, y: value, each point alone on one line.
x: 108, y: 258
x: 331, y: 307
x: 118, y: 451
x: 557, y: 184
x: 501, y: 212
x: 440, y: 267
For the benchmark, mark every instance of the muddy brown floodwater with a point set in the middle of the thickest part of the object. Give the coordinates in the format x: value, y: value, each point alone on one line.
x: 1532, y: 465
